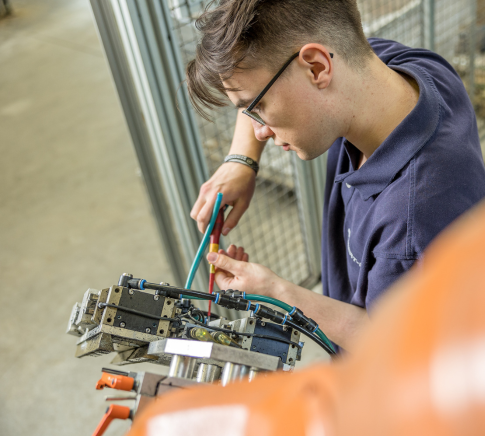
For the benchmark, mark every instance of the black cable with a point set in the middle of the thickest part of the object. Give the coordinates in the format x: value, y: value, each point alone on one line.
x: 311, y: 336
x: 179, y: 291
x: 137, y: 312
x: 256, y: 335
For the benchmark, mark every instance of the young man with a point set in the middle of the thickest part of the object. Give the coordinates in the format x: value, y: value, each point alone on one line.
x: 404, y: 154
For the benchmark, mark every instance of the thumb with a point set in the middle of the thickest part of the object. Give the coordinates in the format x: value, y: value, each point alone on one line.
x: 224, y: 262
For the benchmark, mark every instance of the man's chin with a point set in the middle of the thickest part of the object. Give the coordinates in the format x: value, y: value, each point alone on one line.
x: 303, y: 155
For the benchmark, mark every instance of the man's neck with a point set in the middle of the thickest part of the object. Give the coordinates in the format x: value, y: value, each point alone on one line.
x: 382, y: 99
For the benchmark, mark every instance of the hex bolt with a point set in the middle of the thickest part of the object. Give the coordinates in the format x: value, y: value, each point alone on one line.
x: 148, y: 330
x: 156, y: 297
x: 131, y: 291
x: 122, y: 324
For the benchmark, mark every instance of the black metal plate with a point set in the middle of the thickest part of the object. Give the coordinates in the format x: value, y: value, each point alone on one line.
x: 142, y: 302
x: 269, y: 346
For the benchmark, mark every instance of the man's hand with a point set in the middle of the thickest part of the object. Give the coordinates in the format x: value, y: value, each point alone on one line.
x: 341, y: 322
x: 237, y: 183
x: 233, y: 271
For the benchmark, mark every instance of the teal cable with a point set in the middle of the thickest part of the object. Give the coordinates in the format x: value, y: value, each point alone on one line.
x: 288, y: 308
x: 269, y: 300
x: 324, y: 338
x: 204, y: 243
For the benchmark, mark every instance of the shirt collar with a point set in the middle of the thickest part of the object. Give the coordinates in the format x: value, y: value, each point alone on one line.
x: 403, y: 143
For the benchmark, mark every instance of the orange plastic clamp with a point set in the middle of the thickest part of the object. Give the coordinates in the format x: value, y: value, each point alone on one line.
x: 114, y: 412
x: 113, y: 381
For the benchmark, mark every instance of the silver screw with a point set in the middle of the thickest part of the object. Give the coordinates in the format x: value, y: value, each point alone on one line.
x: 156, y: 297
x: 122, y: 324
x: 131, y: 292
x: 263, y: 323
x: 148, y: 330
x: 285, y: 328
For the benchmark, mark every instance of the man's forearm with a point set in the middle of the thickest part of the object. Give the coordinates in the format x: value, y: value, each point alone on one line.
x: 244, y: 142
x: 341, y: 322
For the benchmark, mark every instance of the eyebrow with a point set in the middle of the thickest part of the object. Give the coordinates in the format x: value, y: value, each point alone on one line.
x: 243, y: 104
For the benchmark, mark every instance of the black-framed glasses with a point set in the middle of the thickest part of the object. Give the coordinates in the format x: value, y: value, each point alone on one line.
x: 249, y: 110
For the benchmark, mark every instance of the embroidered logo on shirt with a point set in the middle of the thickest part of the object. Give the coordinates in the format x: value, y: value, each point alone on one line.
x: 350, y: 252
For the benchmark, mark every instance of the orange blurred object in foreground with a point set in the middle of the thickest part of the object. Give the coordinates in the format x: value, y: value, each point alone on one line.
x: 418, y: 370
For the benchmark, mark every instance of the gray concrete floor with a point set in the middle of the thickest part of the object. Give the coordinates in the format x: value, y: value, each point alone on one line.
x: 67, y: 172
x: 68, y: 169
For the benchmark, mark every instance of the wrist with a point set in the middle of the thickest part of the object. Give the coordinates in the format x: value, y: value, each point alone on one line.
x: 279, y: 289
x: 243, y: 160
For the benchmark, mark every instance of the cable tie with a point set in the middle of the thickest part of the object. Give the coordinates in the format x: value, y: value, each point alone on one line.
x: 244, y: 295
x: 292, y: 311
x: 316, y: 328
x: 142, y: 282
x: 284, y: 319
x: 256, y: 309
x: 249, y: 305
x: 218, y: 296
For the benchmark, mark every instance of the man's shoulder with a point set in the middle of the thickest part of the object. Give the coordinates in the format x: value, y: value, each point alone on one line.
x: 395, y: 54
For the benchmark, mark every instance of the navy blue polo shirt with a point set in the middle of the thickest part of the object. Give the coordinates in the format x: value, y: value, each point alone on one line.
x: 378, y: 219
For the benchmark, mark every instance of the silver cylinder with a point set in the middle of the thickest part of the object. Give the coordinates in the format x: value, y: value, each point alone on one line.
x: 253, y: 372
x: 233, y: 372
x: 208, y: 373
x: 182, y: 366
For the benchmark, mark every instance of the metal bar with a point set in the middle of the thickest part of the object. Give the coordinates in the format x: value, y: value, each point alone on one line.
x: 473, y: 49
x: 310, y: 206
x: 109, y: 33
x: 428, y: 24
x: 168, y: 168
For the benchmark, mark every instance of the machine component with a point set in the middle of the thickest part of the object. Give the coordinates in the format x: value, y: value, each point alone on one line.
x: 223, y: 339
x: 145, y: 387
x: 201, y: 334
x: 148, y: 322
x: 115, y: 381
x: 122, y: 319
x: 114, y: 412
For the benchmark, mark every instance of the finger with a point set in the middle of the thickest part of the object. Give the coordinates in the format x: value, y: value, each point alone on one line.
x: 223, y: 279
x: 239, y: 254
x: 245, y: 257
x: 232, y: 250
x: 196, y: 208
x: 221, y: 251
x: 234, y: 217
x: 204, y: 216
x: 225, y: 263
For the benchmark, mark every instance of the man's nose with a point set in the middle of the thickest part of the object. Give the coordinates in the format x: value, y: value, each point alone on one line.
x: 262, y: 133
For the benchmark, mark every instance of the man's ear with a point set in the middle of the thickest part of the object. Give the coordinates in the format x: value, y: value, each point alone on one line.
x: 318, y: 62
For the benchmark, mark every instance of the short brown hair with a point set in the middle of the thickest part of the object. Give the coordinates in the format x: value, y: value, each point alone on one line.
x: 267, y: 32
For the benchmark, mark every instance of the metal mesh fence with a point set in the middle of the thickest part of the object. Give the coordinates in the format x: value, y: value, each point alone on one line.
x: 455, y: 29
x: 271, y: 230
